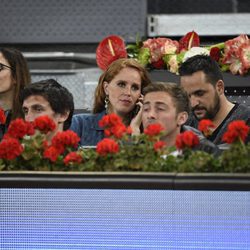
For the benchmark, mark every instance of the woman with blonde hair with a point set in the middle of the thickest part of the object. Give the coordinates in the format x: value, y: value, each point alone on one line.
x: 118, y: 91
x: 14, y: 76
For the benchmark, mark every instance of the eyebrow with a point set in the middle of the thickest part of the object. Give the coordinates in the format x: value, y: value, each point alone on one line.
x: 157, y: 103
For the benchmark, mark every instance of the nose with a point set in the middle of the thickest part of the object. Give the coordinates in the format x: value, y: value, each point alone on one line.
x: 127, y: 91
x: 29, y: 117
x: 151, y: 114
x: 194, y: 101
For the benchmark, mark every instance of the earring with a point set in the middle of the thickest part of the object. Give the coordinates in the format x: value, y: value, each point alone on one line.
x: 106, y: 101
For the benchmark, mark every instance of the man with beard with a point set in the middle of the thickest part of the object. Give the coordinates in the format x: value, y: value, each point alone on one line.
x: 201, y: 77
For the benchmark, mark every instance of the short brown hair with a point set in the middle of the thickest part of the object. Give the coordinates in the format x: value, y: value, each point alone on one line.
x: 109, y: 75
x: 177, y: 93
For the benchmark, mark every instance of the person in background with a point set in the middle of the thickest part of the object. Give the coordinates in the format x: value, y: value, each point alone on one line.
x: 14, y: 76
x: 48, y: 97
x: 201, y: 77
x: 118, y: 91
x: 168, y: 105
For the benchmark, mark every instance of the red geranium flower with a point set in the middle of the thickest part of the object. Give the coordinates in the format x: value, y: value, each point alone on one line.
x: 72, y: 157
x: 236, y: 130
x: 51, y: 153
x: 10, y: 148
x: 113, y: 126
x: 186, y: 139
x: 65, y: 139
x: 153, y: 130
x: 110, y: 120
x: 159, y: 145
x: 107, y: 146
x: 2, y: 117
x: 19, y: 128
x: 206, y: 126
x: 44, y: 124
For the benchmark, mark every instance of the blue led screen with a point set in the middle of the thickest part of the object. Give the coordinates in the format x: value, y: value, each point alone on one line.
x: 123, y: 219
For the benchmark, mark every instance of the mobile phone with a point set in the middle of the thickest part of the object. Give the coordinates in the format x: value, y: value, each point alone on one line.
x: 136, y: 110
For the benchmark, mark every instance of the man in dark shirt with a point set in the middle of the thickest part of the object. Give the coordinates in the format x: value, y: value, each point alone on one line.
x: 201, y: 77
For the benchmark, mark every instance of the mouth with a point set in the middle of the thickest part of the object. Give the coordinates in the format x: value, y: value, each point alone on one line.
x: 199, y: 111
x: 126, y: 102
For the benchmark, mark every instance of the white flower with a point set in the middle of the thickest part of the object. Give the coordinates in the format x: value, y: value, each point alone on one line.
x: 195, y: 51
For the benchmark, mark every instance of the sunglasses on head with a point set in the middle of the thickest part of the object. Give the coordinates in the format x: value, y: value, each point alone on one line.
x: 2, y: 66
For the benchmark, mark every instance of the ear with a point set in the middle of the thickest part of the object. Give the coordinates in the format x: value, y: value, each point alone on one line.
x: 63, y: 117
x: 105, y: 87
x: 220, y: 87
x: 182, y: 118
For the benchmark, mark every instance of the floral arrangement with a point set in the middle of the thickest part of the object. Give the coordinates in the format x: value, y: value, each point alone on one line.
x: 24, y: 147
x: 164, y: 53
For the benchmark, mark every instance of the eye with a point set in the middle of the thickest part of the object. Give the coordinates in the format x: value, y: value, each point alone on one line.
x: 25, y: 111
x: 161, y: 109
x: 200, y: 93
x: 135, y: 87
x: 121, y: 84
x: 38, y: 109
x: 1, y: 67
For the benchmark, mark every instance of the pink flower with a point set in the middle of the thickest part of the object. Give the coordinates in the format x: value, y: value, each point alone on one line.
x: 159, y: 47
x: 236, y: 54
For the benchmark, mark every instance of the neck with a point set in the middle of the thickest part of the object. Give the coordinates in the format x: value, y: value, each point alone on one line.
x: 51, y: 134
x: 6, y: 100
x: 225, y: 108
x: 170, y: 138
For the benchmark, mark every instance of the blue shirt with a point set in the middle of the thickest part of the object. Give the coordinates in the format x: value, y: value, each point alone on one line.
x: 87, y: 128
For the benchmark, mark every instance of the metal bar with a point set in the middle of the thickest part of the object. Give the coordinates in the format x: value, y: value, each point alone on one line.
x: 203, y: 24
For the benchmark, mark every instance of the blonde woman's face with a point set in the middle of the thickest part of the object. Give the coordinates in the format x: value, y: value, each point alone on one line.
x: 123, y: 91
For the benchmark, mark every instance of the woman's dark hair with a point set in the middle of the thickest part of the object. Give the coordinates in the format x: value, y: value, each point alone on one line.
x: 21, y: 77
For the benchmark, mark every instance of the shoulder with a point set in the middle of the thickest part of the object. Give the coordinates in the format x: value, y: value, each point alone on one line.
x: 87, y: 127
x: 86, y: 120
x: 242, y: 111
x: 205, y: 144
x: 194, y: 130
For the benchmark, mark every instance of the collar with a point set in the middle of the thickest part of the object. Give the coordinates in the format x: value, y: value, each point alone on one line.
x: 97, y: 118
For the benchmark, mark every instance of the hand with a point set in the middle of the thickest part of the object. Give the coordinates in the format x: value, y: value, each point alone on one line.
x: 136, y: 121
